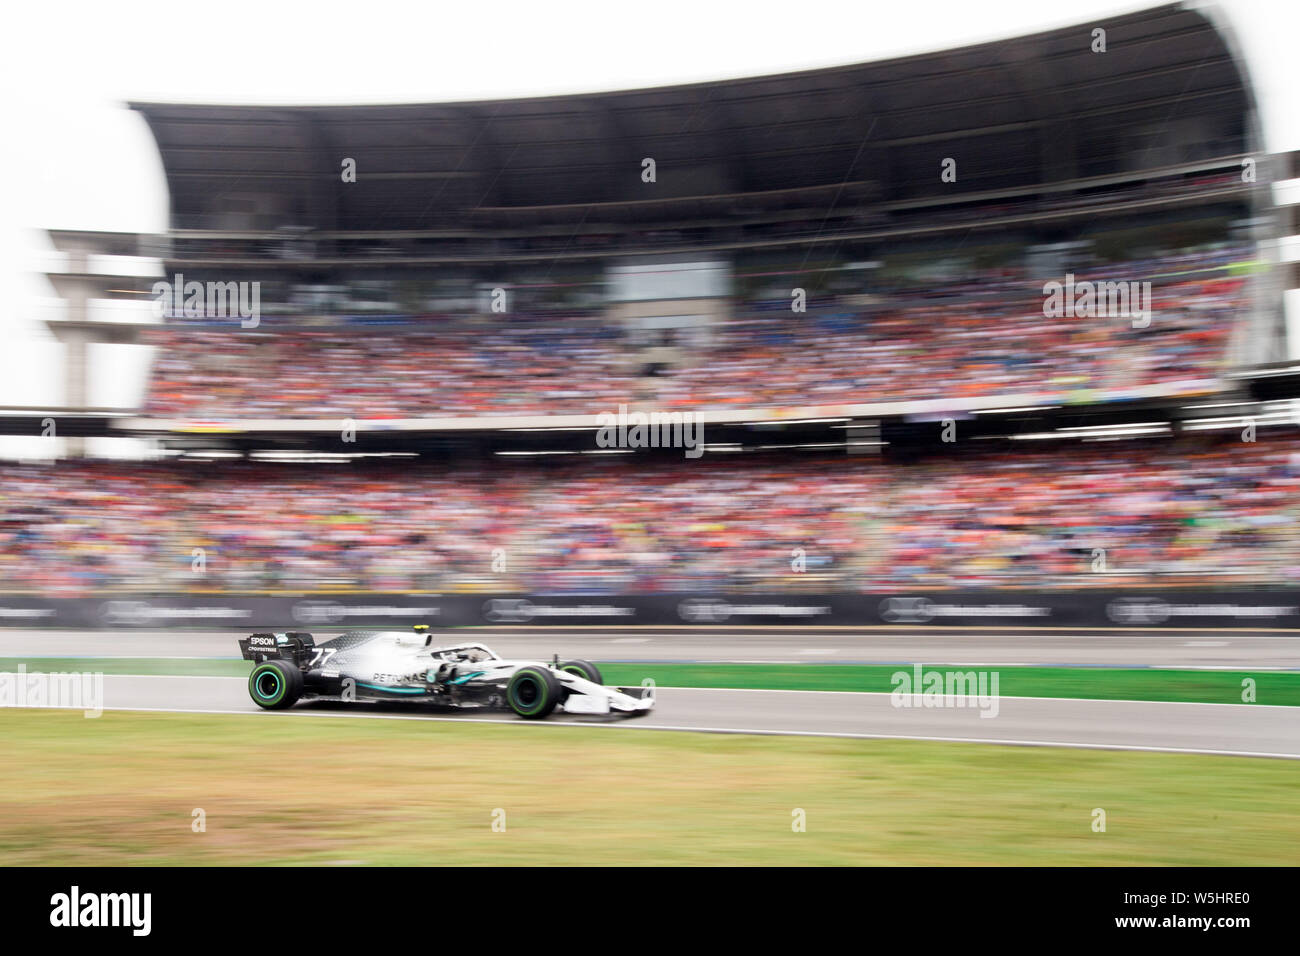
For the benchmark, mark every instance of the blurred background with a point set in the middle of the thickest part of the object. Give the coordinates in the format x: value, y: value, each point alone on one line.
x: 982, y: 319
x: 453, y: 287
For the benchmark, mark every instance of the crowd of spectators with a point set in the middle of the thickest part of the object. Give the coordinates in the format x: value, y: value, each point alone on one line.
x: 978, y: 337
x: 1166, y: 512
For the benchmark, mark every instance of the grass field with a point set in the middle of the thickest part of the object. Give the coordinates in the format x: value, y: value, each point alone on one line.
x: 1211, y: 687
x: 121, y: 790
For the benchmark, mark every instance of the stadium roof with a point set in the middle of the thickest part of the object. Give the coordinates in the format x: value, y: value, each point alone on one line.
x: 1024, y: 111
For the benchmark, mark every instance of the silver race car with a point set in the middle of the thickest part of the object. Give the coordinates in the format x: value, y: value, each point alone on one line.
x: 407, y: 666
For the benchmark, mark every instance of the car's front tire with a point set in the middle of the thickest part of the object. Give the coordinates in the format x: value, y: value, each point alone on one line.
x: 584, y: 669
x: 275, y: 685
x: 533, y: 692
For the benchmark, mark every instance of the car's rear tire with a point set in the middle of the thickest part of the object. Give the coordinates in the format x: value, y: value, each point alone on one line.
x: 533, y: 692
x: 584, y: 669
x: 275, y: 685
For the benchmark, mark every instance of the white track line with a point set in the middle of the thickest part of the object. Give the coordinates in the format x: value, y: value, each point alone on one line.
x: 781, y: 690
x: 638, y: 724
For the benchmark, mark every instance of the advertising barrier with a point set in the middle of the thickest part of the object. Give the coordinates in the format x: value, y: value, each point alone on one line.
x: 1150, y: 608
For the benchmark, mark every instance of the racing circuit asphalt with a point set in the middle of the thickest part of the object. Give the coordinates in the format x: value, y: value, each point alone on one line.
x: 1256, y: 730
x: 1005, y: 647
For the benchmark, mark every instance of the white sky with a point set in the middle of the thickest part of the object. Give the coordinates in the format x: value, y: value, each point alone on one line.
x: 78, y: 159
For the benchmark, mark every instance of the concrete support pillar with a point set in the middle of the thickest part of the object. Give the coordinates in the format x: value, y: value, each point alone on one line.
x: 76, y: 383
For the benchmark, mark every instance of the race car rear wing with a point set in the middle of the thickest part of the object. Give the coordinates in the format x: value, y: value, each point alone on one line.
x: 293, y: 646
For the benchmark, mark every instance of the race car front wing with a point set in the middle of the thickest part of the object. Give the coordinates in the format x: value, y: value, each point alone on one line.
x: 586, y: 697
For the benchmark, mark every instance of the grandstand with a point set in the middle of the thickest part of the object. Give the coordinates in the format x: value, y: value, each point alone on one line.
x: 842, y: 272
x: 1191, y: 512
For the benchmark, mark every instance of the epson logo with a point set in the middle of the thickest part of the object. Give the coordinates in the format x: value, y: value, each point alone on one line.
x: 919, y: 610
x: 75, y: 909
x: 717, y: 610
x: 262, y: 641
x: 521, y: 610
x: 141, y: 613
x: 1145, y: 610
x: 26, y: 612
x: 331, y: 612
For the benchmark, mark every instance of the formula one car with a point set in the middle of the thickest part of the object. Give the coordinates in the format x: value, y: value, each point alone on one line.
x: 407, y: 666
